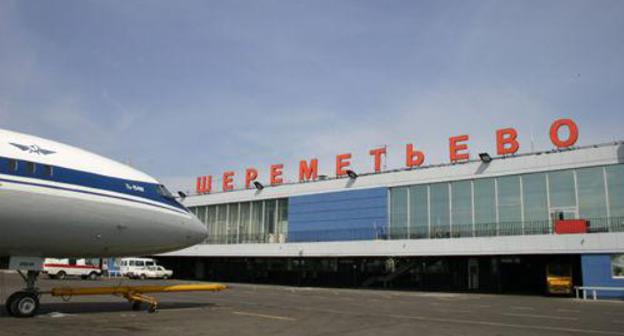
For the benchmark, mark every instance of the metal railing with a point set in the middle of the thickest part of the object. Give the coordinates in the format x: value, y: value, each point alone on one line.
x: 594, y: 291
x: 376, y: 232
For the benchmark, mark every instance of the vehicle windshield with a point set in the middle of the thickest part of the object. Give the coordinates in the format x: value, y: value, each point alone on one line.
x: 559, y: 270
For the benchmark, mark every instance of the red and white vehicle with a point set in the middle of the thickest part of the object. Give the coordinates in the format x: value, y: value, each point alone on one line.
x: 62, y: 268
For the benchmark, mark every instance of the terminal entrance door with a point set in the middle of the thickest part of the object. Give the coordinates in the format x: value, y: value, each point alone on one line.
x: 473, y: 273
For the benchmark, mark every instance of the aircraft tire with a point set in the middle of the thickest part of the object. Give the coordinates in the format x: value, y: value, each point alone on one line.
x: 23, y: 304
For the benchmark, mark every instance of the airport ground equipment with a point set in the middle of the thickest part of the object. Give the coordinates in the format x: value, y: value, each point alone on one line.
x: 25, y: 303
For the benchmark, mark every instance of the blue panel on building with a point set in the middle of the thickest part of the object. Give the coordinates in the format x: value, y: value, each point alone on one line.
x: 597, y: 273
x: 338, y: 216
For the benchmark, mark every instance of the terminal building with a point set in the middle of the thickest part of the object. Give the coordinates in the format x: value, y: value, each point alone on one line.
x: 521, y: 223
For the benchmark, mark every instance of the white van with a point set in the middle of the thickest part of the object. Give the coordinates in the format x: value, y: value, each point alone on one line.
x: 130, y: 266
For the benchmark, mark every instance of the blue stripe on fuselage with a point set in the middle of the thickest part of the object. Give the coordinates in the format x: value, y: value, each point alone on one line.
x: 91, y: 193
x: 90, y: 180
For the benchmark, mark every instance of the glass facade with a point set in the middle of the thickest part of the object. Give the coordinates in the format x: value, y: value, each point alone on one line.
x: 245, y: 222
x: 510, y: 205
x: 524, y: 204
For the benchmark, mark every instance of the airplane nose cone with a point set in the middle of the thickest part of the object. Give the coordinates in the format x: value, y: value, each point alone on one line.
x: 197, y: 231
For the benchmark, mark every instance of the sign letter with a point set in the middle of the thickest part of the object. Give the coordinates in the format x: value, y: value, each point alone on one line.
x: 342, y: 162
x: 251, y: 174
x: 413, y: 158
x: 456, y: 145
x: 276, y: 173
x: 506, y: 141
x: 572, y: 136
x: 377, y: 153
x: 308, y: 172
x: 228, y: 181
x: 204, y: 184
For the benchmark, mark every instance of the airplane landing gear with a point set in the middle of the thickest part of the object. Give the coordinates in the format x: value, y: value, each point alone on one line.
x: 25, y: 303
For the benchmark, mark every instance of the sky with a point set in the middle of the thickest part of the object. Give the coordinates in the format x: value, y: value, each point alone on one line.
x: 180, y: 89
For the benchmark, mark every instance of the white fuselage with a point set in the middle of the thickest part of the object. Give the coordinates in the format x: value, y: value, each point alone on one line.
x: 60, y: 201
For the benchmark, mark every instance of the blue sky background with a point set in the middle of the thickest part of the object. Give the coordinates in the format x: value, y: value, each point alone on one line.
x: 186, y: 88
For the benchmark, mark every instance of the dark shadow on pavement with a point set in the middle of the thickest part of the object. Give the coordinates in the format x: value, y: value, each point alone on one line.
x: 77, y: 308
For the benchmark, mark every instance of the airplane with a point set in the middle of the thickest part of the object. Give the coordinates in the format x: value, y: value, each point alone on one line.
x: 57, y: 200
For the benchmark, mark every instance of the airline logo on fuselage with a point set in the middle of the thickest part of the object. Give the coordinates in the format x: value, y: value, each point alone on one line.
x: 33, y: 149
x: 134, y: 187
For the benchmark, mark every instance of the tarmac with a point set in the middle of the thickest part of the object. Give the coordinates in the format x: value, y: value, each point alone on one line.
x: 276, y: 310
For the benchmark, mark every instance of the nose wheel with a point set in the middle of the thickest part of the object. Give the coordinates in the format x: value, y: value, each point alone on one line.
x: 24, y: 303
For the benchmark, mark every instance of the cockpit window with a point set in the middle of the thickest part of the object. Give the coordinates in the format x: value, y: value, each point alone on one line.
x: 162, y: 190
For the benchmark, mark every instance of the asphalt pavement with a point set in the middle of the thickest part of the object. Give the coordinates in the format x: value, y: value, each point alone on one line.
x: 276, y: 310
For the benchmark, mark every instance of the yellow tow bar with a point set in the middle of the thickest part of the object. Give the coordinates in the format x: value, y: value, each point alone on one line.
x: 135, y: 294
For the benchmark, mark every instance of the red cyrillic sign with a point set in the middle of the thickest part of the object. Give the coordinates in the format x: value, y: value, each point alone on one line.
x: 507, y: 143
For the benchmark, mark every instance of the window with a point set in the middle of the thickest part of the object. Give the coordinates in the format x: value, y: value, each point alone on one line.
x: 485, y: 207
x: 509, y: 205
x: 245, y: 216
x: 31, y: 167
x: 591, y: 192
x: 269, y: 216
x: 211, y: 217
x: 232, y: 227
x: 615, y: 183
x: 163, y: 191
x: 282, y: 216
x: 13, y: 165
x: 398, y: 213
x: 440, y: 221
x: 461, y: 208
x: 617, y: 266
x: 200, y: 212
x: 221, y: 223
x: 419, y: 212
x: 48, y: 170
x: 256, y: 221
x: 535, y: 203
x: 246, y: 222
x: 562, y: 193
